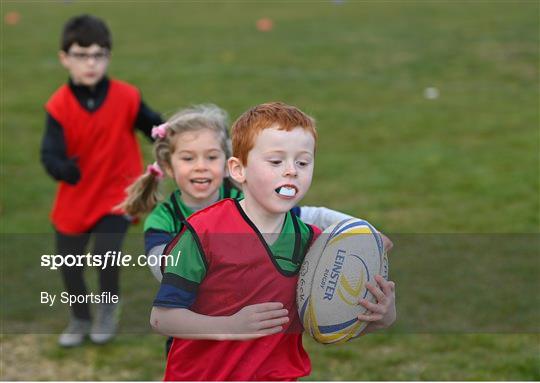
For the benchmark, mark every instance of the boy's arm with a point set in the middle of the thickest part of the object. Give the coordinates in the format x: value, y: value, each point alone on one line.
x: 250, y: 322
x: 147, y: 119
x: 178, y: 291
x: 323, y: 217
x: 53, y: 154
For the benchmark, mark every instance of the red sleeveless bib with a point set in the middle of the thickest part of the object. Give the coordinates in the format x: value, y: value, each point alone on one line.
x: 108, y: 155
x: 240, y: 272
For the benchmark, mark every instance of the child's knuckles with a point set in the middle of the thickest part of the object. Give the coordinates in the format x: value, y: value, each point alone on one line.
x: 379, y: 309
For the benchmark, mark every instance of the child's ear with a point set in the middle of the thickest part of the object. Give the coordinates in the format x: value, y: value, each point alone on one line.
x: 63, y: 58
x: 168, y: 171
x: 236, y: 170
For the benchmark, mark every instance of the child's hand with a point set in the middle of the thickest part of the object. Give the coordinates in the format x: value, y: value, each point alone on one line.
x: 70, y: 171
x: 257, y: 320
x: 383, y: 313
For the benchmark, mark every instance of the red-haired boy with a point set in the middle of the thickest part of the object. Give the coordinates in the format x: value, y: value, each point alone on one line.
x: 230, y: 299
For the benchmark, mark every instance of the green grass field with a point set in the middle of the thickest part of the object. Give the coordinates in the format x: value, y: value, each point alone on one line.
x: 453, y: 180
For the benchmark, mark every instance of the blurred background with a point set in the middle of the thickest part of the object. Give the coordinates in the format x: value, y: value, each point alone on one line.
x: 429, y: 128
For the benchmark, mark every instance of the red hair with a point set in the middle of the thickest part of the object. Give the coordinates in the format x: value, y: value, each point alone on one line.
x: 248, y: 126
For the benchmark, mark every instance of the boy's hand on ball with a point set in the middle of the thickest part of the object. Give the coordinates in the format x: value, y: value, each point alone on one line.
x: 383, y: 313
x: 258, y: 320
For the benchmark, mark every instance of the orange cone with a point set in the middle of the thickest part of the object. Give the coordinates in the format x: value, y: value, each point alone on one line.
x: 265, y: 25
x: 12, y: 18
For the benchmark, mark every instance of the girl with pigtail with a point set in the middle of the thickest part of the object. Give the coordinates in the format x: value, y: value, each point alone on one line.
x: 192, y: 148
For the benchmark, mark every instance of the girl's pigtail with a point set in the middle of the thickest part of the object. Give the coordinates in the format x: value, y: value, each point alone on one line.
x: 143, y: 195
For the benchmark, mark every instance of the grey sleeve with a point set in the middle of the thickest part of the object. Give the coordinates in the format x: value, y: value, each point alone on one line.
x: 154, y: 261
x: 321, y: 217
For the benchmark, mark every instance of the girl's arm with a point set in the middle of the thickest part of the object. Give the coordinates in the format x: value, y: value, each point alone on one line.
x: 155, y: 242
x: 323, y: 218
x: 250, y: 322
x: 154, y: 261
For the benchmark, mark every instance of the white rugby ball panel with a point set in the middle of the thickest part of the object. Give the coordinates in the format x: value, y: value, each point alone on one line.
x: 333, y: 279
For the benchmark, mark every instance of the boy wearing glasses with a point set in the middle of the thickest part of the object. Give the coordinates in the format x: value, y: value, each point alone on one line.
x: 90, y: 147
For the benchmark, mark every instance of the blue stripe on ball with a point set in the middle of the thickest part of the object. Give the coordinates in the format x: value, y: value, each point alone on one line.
x: 303, y: 310
x: 338, y: 226
x: 336, y: 327
x: 351, y: 225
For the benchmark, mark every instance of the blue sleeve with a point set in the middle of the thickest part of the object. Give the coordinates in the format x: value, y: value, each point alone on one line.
x: 183, y: 275
x: 175, y: 292
x: 153, y: 238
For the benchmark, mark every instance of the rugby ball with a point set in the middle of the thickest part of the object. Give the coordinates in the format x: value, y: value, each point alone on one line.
x: 333, y: 279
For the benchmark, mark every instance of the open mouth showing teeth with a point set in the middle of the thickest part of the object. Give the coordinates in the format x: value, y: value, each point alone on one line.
x: 200, y: 181
x: 287, y: 191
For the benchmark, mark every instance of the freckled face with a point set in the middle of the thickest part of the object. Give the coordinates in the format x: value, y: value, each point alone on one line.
x: 279, y: 168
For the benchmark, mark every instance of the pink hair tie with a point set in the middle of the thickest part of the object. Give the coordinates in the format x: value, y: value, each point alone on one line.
x: 159, y: 131
x: 155, y: 170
